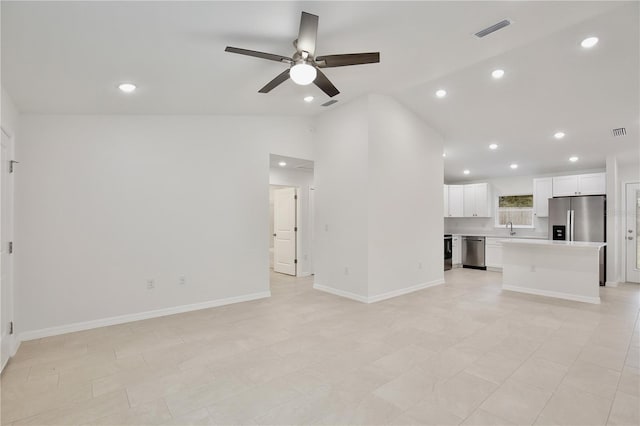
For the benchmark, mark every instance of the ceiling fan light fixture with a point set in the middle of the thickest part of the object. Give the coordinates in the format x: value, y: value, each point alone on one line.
x: 303, y: 74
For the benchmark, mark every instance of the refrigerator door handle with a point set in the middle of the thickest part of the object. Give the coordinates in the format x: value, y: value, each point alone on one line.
x: 572, y: 224
x: 568, y: 236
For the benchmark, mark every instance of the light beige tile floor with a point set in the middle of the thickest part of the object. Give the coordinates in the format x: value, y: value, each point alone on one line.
x: 462, y: 353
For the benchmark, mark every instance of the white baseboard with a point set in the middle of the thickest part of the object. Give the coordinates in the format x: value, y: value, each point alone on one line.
x: 104, y: 322
x: 379, y: 297
x: 406, y: 290
x: 556, y: 294
x: 611, y: 283
x: 341, y: 293
x: 304, y: 274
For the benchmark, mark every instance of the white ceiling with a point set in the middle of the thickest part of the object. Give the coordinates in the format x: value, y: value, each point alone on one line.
x: 297, y: 164
x: 68, y: 57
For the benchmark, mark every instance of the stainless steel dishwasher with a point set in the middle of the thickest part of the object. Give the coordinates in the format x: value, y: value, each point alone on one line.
x: 473, y: 252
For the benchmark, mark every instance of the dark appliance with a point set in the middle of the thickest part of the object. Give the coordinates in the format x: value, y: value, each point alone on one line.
x: 448, y: 252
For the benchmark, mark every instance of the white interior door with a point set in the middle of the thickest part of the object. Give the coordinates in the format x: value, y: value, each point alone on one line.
x: 632, y: 232
x: 5, y: 265
x: 284, y: 231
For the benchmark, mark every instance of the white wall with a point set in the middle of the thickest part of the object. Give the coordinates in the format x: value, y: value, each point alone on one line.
x: 378, y: 169
x: 106, y: 202
x: 303, y: 180
x: 515, y: 185
x: 405, y: 189
x: 340, y: 174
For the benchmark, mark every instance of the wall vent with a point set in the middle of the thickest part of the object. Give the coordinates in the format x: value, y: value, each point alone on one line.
x: 493, y: 28
x: 331, y: 102
x: 620, y: 131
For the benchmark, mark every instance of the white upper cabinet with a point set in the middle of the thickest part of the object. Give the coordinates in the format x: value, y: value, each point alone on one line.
x: 587, y: 184
x: 456, y: 200
x: 446, y: 200
x: 592, y: 184
x: 476, y: 202
x: 542, y: 191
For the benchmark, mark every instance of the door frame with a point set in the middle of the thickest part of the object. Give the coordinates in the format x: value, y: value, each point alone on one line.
x: 12, y: 343
x: 624, y: 227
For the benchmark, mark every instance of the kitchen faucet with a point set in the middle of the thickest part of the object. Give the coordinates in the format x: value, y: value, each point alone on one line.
x: 510, y: 225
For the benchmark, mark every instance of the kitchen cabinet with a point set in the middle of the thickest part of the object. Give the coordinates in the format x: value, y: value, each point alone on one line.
x: 587, y: 184
x: 493, y: 253
x: 456, y: 258
x: 542, y: 191
x: 455, y: 201
x: 476, y: 200
x: 446, y: 200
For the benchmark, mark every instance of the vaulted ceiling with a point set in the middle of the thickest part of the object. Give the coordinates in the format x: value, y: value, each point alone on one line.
x: 68, y: 57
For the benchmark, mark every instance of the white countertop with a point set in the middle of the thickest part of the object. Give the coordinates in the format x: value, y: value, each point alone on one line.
x: 532, y: 242
x: 504, y: 237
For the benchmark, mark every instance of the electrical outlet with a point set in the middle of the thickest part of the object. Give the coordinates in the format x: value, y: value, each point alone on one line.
x: 151, y: 284
x: 533, y: 268
x: 346, y: 270
x: 419, y: 265
x: 182, y: 281
x: 326, y: 227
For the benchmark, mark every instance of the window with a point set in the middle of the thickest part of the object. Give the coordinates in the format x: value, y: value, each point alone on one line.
x: 517, y: 209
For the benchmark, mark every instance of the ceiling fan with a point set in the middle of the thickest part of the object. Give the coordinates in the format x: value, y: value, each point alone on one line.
x: 304, y: 65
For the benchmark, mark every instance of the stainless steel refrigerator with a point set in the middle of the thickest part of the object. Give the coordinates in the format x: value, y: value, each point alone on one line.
x: 580, y: 219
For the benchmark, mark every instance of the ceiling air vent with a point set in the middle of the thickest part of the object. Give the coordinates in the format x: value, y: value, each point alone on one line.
x: 621, y: 131
x: 331, y: 102
x: 493, y: 28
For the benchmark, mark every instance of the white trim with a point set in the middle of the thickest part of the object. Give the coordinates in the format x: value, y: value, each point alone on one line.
x: 556, y: 294
x: 304, y: 274
x: 402, y: 291
x: 341, y: 293
x: 379, y: 297
x: 86, y: 325
x: 14, y: 344
x: 611, y: 283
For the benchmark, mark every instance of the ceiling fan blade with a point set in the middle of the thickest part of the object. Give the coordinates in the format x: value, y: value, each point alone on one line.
x: 323, y: 83
x: 308, y: 33
x: 281, y: 78
x: 256, y: 54
x: 330, y: 61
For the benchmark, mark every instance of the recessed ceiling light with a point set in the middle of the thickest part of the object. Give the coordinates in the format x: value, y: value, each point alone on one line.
x: 466, y: 172
x: 573, y: 159
x: 444, y: 154
x: 514, y: 166
x: 308, y: 98
x: 127, y: 87
x: 282, y: 164
x: 441, y: 93
x: 559, y: 135
x: 493, y: 146
x: 497, y: 74
x: 589, y: 42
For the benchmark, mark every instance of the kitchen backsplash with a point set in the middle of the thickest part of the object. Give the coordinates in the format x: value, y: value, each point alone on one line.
x: 486, y: 226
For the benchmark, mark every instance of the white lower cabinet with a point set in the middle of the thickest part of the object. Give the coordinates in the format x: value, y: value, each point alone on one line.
x: 457, y: 251
x: 493, y: 253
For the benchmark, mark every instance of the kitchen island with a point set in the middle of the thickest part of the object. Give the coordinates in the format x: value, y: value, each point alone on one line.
x: 562, y: 269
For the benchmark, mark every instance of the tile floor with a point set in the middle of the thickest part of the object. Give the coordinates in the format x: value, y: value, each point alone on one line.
x: 462, y: 353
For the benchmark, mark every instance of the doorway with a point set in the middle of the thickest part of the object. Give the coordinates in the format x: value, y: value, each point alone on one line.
x: 632, y: 232
x: 290, y: 216
x: 6, y: 210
